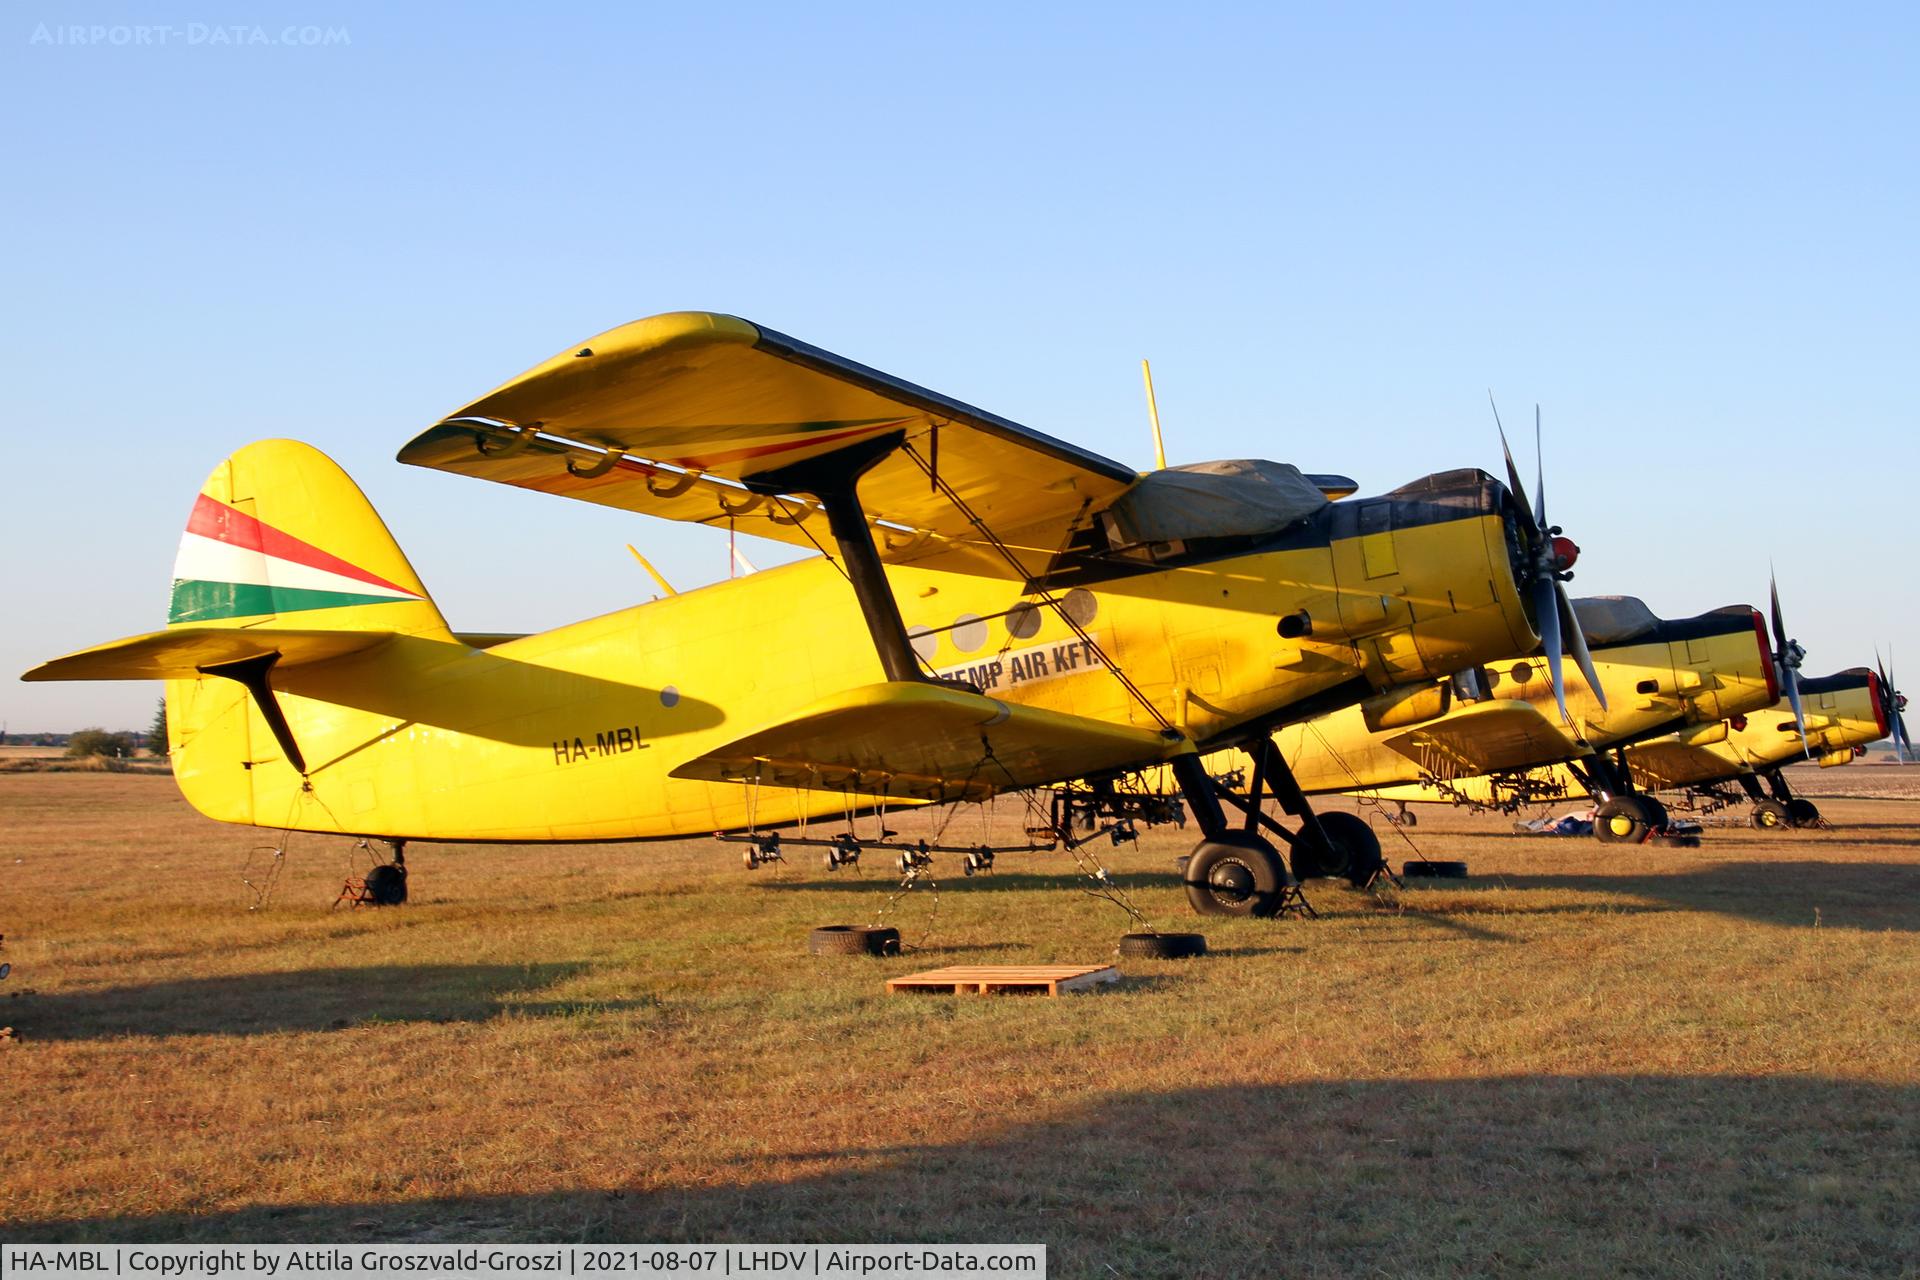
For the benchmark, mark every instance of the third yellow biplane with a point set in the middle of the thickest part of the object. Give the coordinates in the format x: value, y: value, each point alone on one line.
x: 992, y: 609
x: 1483, y: 737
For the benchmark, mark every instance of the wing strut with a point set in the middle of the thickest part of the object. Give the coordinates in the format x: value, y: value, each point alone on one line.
x: 834, y: 479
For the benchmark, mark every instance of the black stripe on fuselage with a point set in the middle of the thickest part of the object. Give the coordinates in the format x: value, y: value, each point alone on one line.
x: 1839, y: 682
x: 1725, y: 621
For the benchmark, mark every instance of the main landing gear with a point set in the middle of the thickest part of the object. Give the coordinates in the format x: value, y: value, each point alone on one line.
x: 1239, y: 872
x: 1621, y: 814
x: 1782, y: 808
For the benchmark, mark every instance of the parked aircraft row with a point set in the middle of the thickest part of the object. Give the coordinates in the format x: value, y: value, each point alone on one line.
x: 992, y: 610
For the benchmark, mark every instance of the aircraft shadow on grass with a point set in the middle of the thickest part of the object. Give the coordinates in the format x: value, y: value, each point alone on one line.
x: 1583, y: 1175
x: 1849, y: 895
x: 949, y: 876
x: 298, y: 1000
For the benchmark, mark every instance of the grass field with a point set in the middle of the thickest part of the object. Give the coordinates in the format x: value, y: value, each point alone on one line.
x: 1584, y: 1061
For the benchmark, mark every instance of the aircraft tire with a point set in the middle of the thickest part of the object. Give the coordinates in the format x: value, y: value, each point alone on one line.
x: 1311, y: 862
x: 1626, y: 819
x: 1163, y: 946
x: 1350, y: 833
x: 1429, y: 868
x: 1802, y: 812
x: 853, y: 940
x: 1235, y: 874
x: 387, y: 885
x: 1655, y: 811
x: 1770, y: 815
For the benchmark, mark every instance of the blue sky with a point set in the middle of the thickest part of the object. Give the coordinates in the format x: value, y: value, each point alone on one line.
x: 1689, y: 235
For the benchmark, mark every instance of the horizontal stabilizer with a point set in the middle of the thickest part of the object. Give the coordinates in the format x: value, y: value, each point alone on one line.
x: 181, y: 653
x: 911, y: 740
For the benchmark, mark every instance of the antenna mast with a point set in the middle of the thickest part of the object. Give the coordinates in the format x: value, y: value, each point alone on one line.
x: 1153, y: 415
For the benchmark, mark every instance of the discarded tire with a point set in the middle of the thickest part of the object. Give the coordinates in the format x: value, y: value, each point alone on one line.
x: 853, y: 940
x: 387, y: 885
x: 1163, y: 946
x: 1435, y: 870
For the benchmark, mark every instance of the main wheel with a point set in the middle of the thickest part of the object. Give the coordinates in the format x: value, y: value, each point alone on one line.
x: 1236, y: 874
x: 1803, y: 813
x: 1627, y: 819
x: 1770, y: 815
x: 1359, y: 848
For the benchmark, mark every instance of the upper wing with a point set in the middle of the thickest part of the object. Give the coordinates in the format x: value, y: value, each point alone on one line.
x: 666, y: 415
x: 923, y: 741
x: 1503, y: 734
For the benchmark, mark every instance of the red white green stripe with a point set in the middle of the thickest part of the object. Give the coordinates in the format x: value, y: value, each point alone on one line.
x: 232, y: 565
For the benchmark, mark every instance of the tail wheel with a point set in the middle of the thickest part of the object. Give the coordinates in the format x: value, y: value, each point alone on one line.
x: 1802, y: 813
x: 1770, y: 815
x: 387, y: 885
x: 1234, y: 875
x: 1357, y: 848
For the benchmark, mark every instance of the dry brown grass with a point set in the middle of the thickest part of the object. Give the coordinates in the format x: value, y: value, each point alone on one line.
x: 1586, y: 1061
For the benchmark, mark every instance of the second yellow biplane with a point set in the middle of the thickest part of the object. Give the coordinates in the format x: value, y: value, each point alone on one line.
x: 1482, y: 737
x: 992, y: 609
x: 1840, y: 715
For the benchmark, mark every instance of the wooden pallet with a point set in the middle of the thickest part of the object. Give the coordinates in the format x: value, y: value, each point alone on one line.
x: 985, y: 979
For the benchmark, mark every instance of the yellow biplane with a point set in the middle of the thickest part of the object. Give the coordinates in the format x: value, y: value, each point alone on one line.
x: 1479, y: 737
x: 1840, y: 714
x: 992, y: 610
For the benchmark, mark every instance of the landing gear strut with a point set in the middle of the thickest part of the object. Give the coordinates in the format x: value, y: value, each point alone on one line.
x: 1240, y: 872
x: 1782, y: 808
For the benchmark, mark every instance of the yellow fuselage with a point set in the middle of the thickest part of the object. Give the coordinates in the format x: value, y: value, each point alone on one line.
x: 572, y: 734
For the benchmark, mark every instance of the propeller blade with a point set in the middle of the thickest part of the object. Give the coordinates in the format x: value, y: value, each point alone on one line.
x: 1779, y: 626
x: 1577, y: 640
x: 1540, y: 474
x: 1791, y: 679
x: 1546, y: 612
x: 1902, y: 744
x: 1513, y: 473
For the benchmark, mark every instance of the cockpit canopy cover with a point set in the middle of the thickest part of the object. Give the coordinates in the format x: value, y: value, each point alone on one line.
x: 1236, y: 498
x: 1614, y: 619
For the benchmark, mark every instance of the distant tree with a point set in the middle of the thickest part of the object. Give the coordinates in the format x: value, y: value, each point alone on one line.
x: 98, y: 742
x: 157, y: 731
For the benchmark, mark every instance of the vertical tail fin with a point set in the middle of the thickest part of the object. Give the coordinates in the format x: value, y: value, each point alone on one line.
x: 281, y: 536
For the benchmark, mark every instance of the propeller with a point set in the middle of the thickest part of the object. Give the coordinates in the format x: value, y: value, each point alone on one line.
x: 1548, y: 566
x: 1787, y: 657
x: 1894, y: 703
